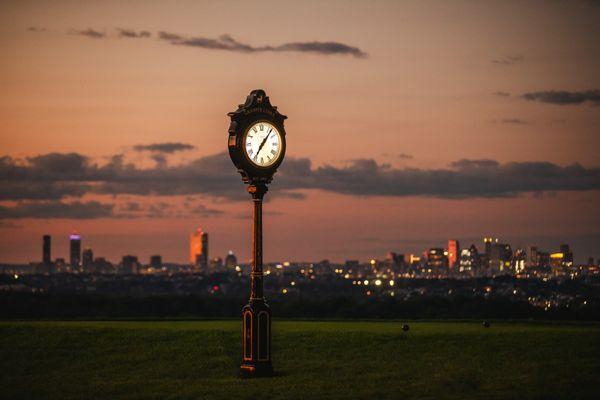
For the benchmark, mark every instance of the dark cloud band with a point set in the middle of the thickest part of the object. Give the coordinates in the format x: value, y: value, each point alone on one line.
x: 563, y: 97
x: 55, y: 176
x: 168, y: 147
x: 91, y: 33
x: 228, y: 43
x: 132, y: 34
x: 225, y: 42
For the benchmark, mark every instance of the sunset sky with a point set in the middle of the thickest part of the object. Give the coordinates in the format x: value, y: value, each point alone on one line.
x: 410, y: 123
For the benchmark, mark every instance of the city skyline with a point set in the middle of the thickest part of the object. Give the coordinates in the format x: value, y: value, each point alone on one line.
x: 114, y: 125
x: 453, y: 253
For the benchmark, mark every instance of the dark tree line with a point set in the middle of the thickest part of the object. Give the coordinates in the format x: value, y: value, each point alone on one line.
x: 23, y: 305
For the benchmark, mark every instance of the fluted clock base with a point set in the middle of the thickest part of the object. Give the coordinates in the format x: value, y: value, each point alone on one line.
x: 256, y: 357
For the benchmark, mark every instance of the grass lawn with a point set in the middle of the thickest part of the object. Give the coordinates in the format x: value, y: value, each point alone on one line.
x: 339, y: 360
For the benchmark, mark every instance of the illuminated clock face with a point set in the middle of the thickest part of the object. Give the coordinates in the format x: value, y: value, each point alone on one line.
x: 262, y: 144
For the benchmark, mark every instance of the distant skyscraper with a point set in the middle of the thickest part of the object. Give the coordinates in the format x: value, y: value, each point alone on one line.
x: 47, y: 251
x: 469, y: 261
x: 75, y: 244
x: 488, y: 244
x: 87, y: 260
x: 533, y: 258
x: 437, y: 261
x: 453, y: 252
x: 199, y: 248
x: 500, y: 258
x: 230, y: 260
x: 567, y: 253
x: 519, y: 260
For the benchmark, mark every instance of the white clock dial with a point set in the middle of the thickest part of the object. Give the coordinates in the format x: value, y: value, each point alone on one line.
x: 262, y: 144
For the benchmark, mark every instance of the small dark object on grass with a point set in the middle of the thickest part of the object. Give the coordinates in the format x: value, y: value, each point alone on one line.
x: 405, y: 327
x: 486, y: 324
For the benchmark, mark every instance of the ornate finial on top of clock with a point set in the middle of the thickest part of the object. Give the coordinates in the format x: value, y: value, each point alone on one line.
x: 257, y: 100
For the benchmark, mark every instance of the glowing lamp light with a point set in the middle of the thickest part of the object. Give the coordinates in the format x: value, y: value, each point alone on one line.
x: 392, y: 283
x: 378, y: 282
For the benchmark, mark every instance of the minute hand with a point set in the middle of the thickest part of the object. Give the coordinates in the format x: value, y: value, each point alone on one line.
x: 263, y: 142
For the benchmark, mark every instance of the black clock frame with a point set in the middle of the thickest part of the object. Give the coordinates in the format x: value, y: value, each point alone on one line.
x: 256, y: 108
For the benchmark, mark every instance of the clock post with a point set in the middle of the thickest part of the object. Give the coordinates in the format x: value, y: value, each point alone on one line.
x: 256, y: 146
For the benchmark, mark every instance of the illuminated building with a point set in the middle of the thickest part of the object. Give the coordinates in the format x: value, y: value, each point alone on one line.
x: 543, y: 258
x: 46, y: 251
x: 556, y: 263
x: 500, y: 258
x: 75, y: 251
x: 488, y: 241
x: 453, y: 252
x: 437, y: 261
x: 199, y: 248
x: 87, y: 259
x: 469, y: 261
x: 518, y: 261
x: 533, y: 260
x: 230, y: 260
x: 414, y: 262
x: 560, y: 262
x: 568, y: 253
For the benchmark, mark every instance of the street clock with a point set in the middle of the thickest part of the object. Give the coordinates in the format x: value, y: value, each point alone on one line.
x: 256, y: 138
x: 256, y: 146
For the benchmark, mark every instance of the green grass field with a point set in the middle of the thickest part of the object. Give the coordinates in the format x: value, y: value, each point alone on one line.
x: 339, y: 360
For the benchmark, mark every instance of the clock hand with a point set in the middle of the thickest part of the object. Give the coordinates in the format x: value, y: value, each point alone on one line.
x: 263, y: 142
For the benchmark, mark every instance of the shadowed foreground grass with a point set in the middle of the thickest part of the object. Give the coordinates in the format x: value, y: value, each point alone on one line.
x: 200, y: 359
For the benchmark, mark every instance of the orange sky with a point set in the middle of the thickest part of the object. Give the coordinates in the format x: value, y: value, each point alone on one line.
x: 427, y: 89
